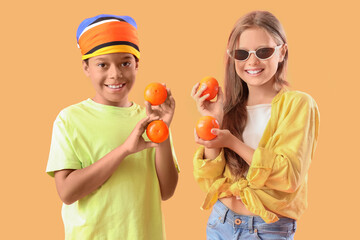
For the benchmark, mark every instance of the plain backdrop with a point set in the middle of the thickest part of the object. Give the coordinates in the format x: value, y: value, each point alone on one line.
x: 180, y: 42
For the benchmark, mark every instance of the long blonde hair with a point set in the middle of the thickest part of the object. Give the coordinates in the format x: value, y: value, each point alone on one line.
x: 236, y: 90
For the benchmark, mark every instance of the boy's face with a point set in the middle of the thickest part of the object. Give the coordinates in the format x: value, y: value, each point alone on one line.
x: 112, y: 76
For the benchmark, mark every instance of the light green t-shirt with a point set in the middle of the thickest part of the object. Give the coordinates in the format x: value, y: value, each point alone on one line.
x: 128, y: 204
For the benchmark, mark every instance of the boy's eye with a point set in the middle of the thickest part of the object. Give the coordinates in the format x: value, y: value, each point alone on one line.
x: 126, y: 64
x: 102, y: 65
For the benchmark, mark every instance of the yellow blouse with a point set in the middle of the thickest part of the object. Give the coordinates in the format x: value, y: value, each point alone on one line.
x: 276, y: 182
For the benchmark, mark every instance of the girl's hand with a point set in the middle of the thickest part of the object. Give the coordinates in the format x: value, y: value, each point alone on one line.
x: 223, y: 138
x: 164, y: 111
x: 209, y: 108
x: 135, y: 142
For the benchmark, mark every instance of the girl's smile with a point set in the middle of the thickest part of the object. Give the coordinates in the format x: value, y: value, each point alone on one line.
x: 254, y: 72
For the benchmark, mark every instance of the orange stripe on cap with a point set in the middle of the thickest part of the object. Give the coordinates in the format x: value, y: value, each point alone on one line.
x: 118, y: 33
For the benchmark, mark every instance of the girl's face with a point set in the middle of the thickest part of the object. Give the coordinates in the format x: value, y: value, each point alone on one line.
x: 113, y: 76
x: 256, y: 72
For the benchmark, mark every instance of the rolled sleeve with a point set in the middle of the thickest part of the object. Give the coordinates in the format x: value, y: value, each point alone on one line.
x: 261, y: 167
x: 206, y: 171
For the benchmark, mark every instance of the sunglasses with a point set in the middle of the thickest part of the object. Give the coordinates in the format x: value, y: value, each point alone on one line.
x: 261, y: 53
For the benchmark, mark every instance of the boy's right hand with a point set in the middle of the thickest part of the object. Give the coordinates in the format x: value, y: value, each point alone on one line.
x: 135, y: 142
x: 209, y: 108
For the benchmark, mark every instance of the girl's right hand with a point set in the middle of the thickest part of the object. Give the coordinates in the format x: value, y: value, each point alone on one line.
x: 135, y: 142
x: 209, y: 108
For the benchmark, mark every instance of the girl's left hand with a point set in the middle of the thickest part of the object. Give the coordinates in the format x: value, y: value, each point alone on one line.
x: 223, y: 139
x: 164, y: 111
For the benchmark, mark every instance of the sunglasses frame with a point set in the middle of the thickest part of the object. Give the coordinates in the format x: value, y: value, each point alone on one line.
x: 254, y: 52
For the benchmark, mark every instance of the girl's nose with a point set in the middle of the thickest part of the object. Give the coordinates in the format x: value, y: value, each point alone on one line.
x: 253, y: 59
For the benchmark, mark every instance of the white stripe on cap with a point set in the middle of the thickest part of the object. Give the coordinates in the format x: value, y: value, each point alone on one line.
x: 97, y: 24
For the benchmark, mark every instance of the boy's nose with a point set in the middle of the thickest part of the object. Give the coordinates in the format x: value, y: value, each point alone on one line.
x: 114, y: 72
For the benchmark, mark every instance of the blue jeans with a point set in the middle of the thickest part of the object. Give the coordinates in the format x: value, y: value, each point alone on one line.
x: 224, y: 224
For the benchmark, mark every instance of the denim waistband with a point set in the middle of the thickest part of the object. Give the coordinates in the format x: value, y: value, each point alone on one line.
x: 247, y: 221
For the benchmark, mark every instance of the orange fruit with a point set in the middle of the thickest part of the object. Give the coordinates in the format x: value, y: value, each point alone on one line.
x: 212, y: 87
x: 157, y: 131
x: 204, y: 126
x: 155, y: 93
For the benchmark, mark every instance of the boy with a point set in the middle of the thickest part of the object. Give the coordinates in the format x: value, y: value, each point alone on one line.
x: 109, y: 178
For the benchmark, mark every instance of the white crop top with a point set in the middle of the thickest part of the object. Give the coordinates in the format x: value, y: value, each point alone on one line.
x: 258, y: 117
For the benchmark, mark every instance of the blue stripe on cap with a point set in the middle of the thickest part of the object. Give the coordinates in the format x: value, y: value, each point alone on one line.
x: 84, y: 24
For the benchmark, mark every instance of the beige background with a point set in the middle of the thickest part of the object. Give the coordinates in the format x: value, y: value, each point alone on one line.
x: 181, y: 42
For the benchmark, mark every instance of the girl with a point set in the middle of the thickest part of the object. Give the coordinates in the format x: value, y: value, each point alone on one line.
x: 255, y: 171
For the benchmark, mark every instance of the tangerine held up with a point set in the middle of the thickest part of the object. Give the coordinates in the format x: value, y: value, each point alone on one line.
x: 212, y: 87
x: 157, y: 131
x: 204, y: 126
x: 155, y: 93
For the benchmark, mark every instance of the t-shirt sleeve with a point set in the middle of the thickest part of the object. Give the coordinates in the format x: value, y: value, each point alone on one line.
x: 62, y: 154
x: 282, y: 164
x: 173, y: 153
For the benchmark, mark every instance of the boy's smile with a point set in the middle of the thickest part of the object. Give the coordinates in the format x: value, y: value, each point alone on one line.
x: 112, y: 76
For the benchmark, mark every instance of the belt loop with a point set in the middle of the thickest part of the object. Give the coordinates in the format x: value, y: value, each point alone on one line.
x: 224, y: 216
x: 251, y: 224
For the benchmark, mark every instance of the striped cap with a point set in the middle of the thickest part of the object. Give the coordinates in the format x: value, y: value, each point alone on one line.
x: 105, y: 34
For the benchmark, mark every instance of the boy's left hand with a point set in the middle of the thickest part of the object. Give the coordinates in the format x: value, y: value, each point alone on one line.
x: 164, y: 111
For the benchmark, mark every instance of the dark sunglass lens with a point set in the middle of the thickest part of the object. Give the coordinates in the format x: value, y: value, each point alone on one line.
x: 240, y: 54
x: 264, y: 53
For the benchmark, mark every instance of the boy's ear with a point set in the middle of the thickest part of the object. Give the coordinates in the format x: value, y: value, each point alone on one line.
x: 86, y: 67
x: 136, y: 64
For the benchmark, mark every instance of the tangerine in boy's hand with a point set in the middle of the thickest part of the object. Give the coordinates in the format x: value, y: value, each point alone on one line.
x: 204, y: 126
x: 212, y: 87
x: 155, y: 93
x: 157, y: 131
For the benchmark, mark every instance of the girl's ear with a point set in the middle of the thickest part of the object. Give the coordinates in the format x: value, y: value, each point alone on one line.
x: 86, y: 67
x: 283, y: 51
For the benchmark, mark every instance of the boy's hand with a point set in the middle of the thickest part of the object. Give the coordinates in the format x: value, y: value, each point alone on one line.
x: 209, y: 108
x: 163, y: 111
x: 135, y: 142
